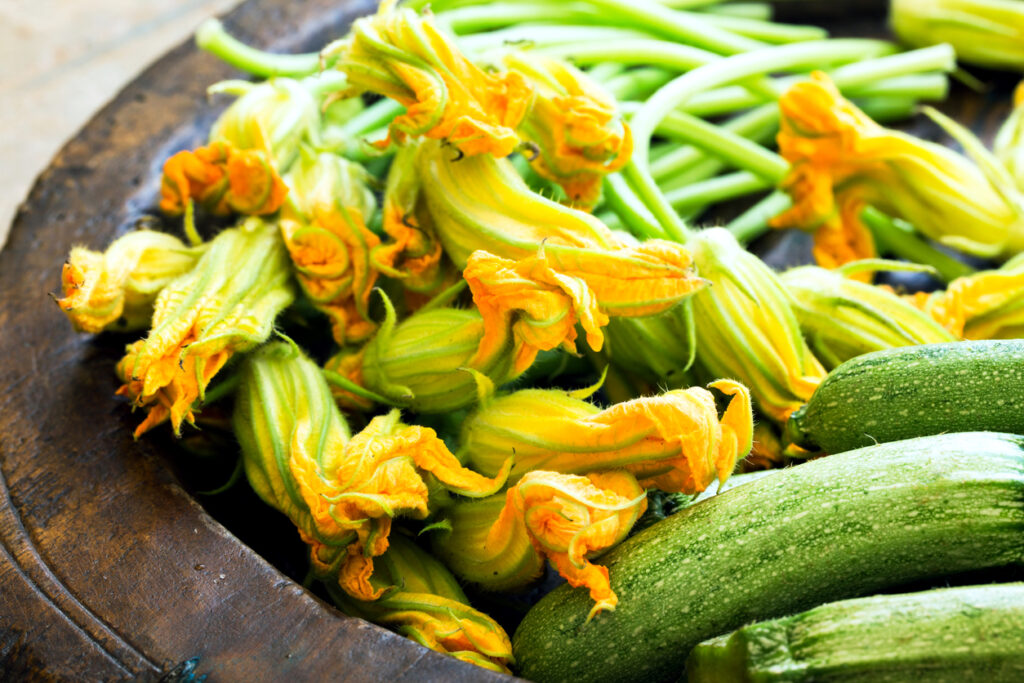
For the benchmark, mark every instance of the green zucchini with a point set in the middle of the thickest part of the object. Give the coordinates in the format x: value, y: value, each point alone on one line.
x: 952, y: 634
x: 915, y: 391
x: 833, y: 528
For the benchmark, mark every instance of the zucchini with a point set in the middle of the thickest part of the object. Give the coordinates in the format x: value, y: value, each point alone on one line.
x: 952, y: 634
x: 833, y: 528
x: 915, y: 391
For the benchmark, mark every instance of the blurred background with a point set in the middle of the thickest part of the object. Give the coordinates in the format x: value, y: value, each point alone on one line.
x: 63, y: 60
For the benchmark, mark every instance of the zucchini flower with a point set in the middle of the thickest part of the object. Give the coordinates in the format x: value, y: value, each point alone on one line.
x: 275, y: 117
x: 986, y: 305
x: 746, y: 329
x: 579, y: 135
x: 225, y: 304
x: 115, y: 289
x: 654, y: 348
x: 542, y: 297
x: 1009, y: 142
x: 399, y: 54
x: 413, y: 255
x: 324, y: 227
x: 482, y: 204
x: 566, y: 518
x: 420, y: 363
x: 223, y: 179
x: 674, y: 441
x: 983, y: 32
x: 843, y: 318
x: 340, y: 491
x: 421, y: 600
x: 842, y: 161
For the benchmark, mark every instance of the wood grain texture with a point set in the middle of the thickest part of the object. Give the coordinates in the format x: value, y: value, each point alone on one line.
x: 108, y: 569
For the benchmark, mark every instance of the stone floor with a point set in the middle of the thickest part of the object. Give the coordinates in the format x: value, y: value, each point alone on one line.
x: 62, y: 60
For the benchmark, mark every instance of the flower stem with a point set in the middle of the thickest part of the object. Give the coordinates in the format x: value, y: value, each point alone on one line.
x: 212, y: 37
x: 899, y: 238
x: 725, y: 144
x: 696, y: 196
x: 692, y: 29
x: 753, y: 222
x: 630, y: 210
x: 717, y: 73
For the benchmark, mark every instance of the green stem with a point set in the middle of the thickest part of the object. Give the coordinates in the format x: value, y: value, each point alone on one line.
x: 696, y: 196
x: 637, y: 84
x: 736, y: 68
x: 758, y: 125
x: 630, y: 210
x: 749, y: 10
x: 753, y: 222
x: 213, y: 38
x: 899, y: 238
x: 373, y: 118
x: 664, y: 21
x: 858, y: 79
x: 727, y: 145
x: 764, y: 31
x: 479, y: 18
x: 651, y: 52
x: 720, y: 72
x: 353, y: 388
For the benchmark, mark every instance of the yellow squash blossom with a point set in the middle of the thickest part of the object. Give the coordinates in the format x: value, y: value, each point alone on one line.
x: 413, y: 255
x: 843, y: 318
x: 987, y: 33
x: 1009, y: 142
x: 401, y: 55
x: 116, y: 289
x: 746, y: 329
x: 843, y: 161
x: 226, y: 304
x: 545, y: 295
x: 324, y: 227
x: 223, y: 179
x: 422, y: 363
x: 421, y: 600
x: 986, y: 305
x: 579, y: 135
x: 341, y: 491
x: 482, y: 204
x: 565, y: 518
x: 275, y: 117
x: 674, y: 441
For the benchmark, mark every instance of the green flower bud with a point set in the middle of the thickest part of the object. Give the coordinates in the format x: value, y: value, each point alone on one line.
x: 746, y: 329
x: 843, y: 318
x: 1009, y: 142
x: 225, y: 304
x: 275, y: 116
x: 421, y: 362
x: 116, y: 289
x: 983, y: 32
x: 422, y: 601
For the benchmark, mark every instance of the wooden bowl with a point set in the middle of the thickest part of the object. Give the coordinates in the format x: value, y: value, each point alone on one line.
x: 108, y: 568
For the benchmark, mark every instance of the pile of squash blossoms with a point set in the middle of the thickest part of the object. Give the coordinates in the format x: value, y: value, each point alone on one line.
x: 410, y: 230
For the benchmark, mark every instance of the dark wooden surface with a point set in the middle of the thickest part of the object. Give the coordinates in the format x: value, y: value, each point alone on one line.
x: 108, y: 568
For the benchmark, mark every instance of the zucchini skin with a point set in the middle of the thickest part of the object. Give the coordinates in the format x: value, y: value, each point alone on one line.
x: 915, y: 391
x: 952, y: 634
x: 833, y: 528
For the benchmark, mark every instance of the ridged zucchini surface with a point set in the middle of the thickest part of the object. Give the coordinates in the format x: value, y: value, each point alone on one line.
x: 833, y: 528
x: 949, y: 635
x: 915, y: 391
